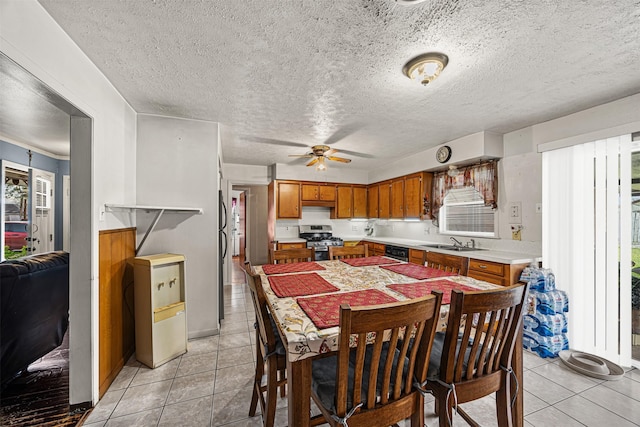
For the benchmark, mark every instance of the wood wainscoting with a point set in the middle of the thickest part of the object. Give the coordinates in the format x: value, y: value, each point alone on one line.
x: 116, y: 314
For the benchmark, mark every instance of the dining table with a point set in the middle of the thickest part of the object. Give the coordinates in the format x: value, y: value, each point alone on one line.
x: 304, y: 300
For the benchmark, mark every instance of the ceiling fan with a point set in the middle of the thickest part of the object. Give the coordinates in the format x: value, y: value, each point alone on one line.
x: 319, y: 153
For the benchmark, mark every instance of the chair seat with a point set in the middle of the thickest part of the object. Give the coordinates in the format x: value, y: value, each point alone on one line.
x: 280, y: 349
x: 436, y: 354
x: 323, y: 376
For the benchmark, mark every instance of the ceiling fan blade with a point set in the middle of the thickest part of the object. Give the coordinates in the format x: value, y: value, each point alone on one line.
x: 330, y: 152
x: 339, y: 159
x: 272, y: 141
x: 342, y: 133
x: 313, y: 162
x: 357, y: 154
x: 302, y: 155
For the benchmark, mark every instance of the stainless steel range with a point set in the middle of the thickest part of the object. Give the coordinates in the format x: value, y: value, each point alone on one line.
x: 319, y: 237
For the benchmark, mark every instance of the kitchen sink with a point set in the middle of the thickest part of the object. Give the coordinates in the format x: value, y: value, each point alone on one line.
x: 451, y: 247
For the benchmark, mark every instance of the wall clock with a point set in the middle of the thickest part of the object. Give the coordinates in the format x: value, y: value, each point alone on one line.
x: 443, y: 154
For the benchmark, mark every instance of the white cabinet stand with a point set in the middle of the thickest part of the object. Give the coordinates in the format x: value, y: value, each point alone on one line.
x: 160, y: 310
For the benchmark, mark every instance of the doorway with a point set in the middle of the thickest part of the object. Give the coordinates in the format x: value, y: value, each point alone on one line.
x: 48, y: 113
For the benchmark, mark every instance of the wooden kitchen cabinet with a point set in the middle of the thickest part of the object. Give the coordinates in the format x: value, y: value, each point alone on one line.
x: 292, y: 245
x: 372, y: 201
x: 417, y: 188
x: 318, y: 192
x: 374, y: 248
x: 344, y: 202
x: 359, y: 201
x: 384, y: 199
x: 397, y: 198
x: 416, y: 256
x: 288, y: 200
x: 495, y: 272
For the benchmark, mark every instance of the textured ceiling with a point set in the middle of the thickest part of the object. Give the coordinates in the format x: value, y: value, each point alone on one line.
x: 284, y: 75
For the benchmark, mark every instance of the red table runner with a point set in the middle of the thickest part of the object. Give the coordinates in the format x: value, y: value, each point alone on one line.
x: 418, y: 271
x: 421, y: 289
x: 295, y: 285
x: 368, y: 261
x: 324, y: 310
x: 292, y: 267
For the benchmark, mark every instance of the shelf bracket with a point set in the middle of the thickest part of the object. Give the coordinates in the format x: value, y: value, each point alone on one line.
x: 159, y: 211
x: 150, y: 229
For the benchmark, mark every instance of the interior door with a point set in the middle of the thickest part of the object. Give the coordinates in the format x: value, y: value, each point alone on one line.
x: 41, y: 198
x: 242, y: 229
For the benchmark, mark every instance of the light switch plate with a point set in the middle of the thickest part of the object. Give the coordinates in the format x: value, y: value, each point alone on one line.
x: 515, y: 213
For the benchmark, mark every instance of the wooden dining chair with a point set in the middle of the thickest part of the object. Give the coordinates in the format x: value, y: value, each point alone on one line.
x: 473, y: 358
x: 370, y: 382
x: 451, y: 263
x: 282, y: 256
x: 340, y: 252
x: 269, y: 351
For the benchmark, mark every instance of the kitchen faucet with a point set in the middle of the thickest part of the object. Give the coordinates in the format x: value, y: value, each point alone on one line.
x: 456, y: 242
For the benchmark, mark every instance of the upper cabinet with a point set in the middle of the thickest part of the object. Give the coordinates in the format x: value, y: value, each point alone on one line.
x: 344, y: 202
x: 318, y: 194
x: 359, y: 201
x: 417, y: 189
x: 397, y: 198
x: 384, y: 199
x: 372, y: 201
x: 406, y: 197
x: 287, y: 200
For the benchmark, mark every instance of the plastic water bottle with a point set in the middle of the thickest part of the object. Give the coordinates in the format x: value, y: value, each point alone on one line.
x: 545, y: 325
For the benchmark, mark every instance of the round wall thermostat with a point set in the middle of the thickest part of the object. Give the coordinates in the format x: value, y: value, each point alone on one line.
x: 443, y: 154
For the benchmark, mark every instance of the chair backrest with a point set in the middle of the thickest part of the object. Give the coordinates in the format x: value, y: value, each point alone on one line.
x: 339, y: 252
x: 444, y: 262
x: 282, y: 256
x: 391, y: 325
x: 484, y: 325
x: 259, y: 299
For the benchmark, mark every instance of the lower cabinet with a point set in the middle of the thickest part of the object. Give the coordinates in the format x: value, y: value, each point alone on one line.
x: 416, y: 256
x: 495, y: 272
x: 374, y: 248
x: 296, y: 245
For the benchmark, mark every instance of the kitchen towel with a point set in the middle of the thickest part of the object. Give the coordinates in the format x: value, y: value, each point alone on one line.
x: 368, y: 261
x: 324, y: 310
x: 418, y: 271
x: 295, y: 285
x: 421, y: 289
x: 292, y: 267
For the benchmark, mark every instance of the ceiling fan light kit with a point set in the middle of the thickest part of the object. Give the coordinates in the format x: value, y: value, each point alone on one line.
x: 425, y: 68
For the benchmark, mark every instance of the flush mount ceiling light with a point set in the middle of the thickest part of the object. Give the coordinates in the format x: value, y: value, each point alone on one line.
x: 453, y: 171
x: 426, y: 67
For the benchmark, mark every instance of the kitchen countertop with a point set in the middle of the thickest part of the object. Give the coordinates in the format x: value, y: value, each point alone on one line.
x: 292, y: 240
x: 503, y: 257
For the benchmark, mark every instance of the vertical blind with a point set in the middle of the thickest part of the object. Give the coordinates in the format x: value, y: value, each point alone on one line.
x: 586, y: 241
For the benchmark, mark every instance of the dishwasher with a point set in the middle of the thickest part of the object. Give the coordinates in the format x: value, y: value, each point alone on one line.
x: 397, y: 252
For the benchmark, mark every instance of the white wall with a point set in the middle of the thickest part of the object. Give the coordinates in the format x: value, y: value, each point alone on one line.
x: 30, y: 37
x: 177, y: 166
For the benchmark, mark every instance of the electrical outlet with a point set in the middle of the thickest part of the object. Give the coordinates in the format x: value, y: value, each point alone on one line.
x: 354, y: 228
x: 515, y: 213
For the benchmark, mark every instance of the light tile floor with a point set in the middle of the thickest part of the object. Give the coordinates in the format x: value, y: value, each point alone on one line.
x: 211, y: 386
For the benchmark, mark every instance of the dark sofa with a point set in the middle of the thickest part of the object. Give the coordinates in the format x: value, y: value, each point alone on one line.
x: 34, y: 314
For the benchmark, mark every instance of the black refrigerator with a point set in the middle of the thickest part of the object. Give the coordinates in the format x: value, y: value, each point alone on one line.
x: 222, y: 251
